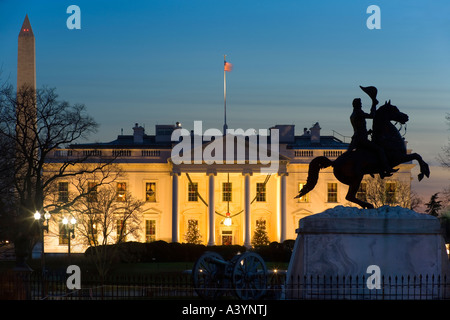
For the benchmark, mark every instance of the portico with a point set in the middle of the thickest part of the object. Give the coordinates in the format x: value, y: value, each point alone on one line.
x: 237, y: 191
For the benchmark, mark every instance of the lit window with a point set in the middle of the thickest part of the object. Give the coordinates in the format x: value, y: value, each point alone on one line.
x: 332, y: 192
x: 150, y: 230
x: 305, y: 198
x: 226, y: 191
x: 63, y: 191
x: 63, y: 239
x: 92, y: 191
x: 361, y: 194
x: 92, y: 233
x: 150, y: 192
x: 261, y: 192
x: 121, y: 191
x: 390, y: 193
x: 193, y: 191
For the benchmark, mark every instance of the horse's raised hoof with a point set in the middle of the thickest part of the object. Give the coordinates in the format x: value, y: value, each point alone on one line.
x: 420, y: 176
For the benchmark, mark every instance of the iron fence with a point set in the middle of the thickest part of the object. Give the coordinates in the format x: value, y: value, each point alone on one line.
x: 417, y: 287
x: 53, y: 286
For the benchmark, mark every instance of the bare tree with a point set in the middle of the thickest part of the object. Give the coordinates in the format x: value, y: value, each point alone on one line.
x: 6, y: 190
x: 33, y: 124
x: 446, y: 199
x: 416, y: 201
x: 105, y: 216
x: 444, y: 156
x: 380, y: 192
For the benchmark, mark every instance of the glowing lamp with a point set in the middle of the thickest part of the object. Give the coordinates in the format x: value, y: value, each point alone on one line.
x: 227, y: 220
x: 37, y: 215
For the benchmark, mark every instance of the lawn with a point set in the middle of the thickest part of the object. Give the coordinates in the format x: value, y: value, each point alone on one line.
x: 136, y: 268
x: 172, y: 267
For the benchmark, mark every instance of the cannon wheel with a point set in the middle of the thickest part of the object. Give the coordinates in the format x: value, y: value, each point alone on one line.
x: 248, y: 276
x: 208, y: 276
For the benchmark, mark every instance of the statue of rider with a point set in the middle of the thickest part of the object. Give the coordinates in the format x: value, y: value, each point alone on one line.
x: 360, y: 133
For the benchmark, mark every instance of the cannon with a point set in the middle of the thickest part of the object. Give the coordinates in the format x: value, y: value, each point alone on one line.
x: 244, y: 275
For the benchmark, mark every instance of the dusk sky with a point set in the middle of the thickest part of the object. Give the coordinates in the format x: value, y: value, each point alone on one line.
x: 295, y: 62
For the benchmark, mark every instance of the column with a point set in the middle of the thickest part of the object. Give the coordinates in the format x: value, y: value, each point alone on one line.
x: 175, y: 227
x: 211, y: 209
x: 247, y: 224
x: 282, y: 206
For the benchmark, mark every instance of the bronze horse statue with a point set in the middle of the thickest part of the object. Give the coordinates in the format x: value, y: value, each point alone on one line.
x: 351, y: 166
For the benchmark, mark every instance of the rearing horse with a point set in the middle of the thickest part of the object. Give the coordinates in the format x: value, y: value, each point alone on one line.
x: 350, y: 167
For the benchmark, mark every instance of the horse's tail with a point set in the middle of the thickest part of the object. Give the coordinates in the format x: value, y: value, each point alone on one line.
x: 313, y: 174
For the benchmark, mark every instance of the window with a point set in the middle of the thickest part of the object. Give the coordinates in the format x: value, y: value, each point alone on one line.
x: 92, y: 192
x: 305, y: 198
x: 121, y: 191
x: 92, y: 233
x: 193, y: 191
x: 150, y: 192
x: 361, y: 194
x: 226, y: 191
x: 261, y: 192
x: 63, y: 239
x: 390, y: 193
x: 150, y: 230
x: 63, y: 191
x: 332, y: 192
x: 121, y: 231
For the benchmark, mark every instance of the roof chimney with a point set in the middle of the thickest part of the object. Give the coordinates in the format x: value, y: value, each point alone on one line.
x: 138, y: 134
x: 315, y: 133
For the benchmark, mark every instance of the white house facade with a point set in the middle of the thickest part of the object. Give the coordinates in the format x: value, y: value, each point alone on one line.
x: 224, y: 200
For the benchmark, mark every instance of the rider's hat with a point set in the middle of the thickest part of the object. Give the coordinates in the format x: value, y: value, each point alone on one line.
x: 371, y: 92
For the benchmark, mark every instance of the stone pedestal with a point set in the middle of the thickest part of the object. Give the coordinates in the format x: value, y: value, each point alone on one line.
x: 335, y: 248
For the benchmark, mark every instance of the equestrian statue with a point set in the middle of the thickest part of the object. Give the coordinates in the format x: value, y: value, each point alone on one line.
x: 379, y: 155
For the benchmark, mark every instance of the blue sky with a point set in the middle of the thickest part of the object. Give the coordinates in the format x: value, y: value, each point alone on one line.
x: 295, y: 62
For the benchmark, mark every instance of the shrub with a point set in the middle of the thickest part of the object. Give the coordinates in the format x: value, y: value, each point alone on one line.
x: 227, y: 251
x: 275, y: 251
x: 161, y: 251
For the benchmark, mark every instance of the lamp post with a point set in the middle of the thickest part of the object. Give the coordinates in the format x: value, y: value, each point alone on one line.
x: 69, y: 226
x: 43, y: 226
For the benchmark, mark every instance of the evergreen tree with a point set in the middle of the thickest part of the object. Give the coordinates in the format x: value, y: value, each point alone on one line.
x: 434, y: 206
x: 193, y: 234
x: 260, y: 237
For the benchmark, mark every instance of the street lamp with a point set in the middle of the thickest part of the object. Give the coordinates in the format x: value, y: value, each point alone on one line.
x: 69, y: 226
x: 43, y: 225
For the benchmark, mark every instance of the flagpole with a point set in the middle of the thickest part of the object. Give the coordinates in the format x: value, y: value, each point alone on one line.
x: 225, y: 127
